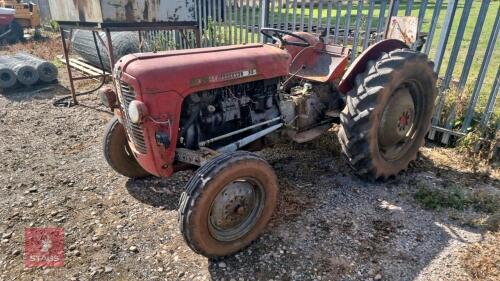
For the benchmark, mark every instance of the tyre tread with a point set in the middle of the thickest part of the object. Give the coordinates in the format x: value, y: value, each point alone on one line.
x: 195, y: 188
x: 354, y: 132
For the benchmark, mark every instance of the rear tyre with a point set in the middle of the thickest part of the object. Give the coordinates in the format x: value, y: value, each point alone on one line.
x: 16, y: 33
x: 117, y: 152
x: 388, y: 114
x: 227, y: 204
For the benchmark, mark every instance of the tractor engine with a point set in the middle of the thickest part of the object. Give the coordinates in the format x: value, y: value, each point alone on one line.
x: 217, y: 112
x: 308, y: 109
x: 305, y: 105
x: 208, y: 115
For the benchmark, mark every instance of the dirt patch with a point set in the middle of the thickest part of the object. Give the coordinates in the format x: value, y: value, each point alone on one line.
x: 482, y: 260
x: 52, y: 47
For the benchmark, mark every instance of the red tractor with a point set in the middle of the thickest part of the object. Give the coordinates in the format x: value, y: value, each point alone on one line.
x: 202, y: 107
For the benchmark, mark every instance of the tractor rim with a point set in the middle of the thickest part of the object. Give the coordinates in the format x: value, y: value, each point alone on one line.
x: 236, y: 209
x: 400, y: 120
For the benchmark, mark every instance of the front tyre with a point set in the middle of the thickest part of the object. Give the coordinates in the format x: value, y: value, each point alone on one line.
x: 118, y: 153
x: 227, y: 203
x: 388, y: 114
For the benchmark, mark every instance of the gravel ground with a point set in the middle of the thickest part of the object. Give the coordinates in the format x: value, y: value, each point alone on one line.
x: 329, y: 225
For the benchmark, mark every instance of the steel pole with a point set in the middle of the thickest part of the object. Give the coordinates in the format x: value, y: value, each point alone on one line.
x: 68, y: 66
x: 264, y: 18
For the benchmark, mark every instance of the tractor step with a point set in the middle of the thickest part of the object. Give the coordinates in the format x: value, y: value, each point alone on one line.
x: 308, y: 135
x: 195, y: 157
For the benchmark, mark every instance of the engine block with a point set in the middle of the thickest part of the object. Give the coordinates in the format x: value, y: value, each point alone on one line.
x: 216, y: 112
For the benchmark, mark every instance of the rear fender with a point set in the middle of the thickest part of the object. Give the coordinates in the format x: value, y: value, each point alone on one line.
x: 319, y: 62
x: 372, y: 53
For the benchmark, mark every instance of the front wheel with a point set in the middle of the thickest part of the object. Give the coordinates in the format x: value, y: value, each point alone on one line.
x: 118, y: 153
x: 388, y: 114
x: 227, y: 204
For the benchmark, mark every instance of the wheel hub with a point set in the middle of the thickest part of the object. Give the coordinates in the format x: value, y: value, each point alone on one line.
x: 397, y: 119
x: 234, y: 210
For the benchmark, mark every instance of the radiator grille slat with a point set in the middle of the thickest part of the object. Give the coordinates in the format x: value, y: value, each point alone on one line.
x: 136, y: 132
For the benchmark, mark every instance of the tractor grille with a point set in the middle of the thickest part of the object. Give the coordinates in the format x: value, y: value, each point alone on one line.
x: 134, y: 131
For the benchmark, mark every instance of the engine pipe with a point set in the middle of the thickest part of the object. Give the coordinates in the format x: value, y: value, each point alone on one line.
x: 204, y: 143
x: 244, y: 141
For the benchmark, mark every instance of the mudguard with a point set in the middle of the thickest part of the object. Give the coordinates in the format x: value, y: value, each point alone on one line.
x: 359, y: 65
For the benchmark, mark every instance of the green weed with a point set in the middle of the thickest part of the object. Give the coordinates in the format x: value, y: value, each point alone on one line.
x: 456, y: 197
x: 439, y: 199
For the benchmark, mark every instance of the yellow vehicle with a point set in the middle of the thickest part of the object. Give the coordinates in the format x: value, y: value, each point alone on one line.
x: 27, y: 15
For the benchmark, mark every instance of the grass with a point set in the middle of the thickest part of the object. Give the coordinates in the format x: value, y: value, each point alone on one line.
x: 480, y: 51
x: 228, y: 35
x: 456, y: 197
x: 439, y: 199
x: 484, y: 202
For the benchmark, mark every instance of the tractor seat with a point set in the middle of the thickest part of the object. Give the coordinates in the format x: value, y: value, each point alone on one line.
x: 320, y: 63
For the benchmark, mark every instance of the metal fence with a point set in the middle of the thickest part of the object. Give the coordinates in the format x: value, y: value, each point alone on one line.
x: 226, y: 22
x: 460, y: 36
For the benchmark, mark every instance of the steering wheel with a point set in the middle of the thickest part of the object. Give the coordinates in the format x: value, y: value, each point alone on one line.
x: 277, y: 34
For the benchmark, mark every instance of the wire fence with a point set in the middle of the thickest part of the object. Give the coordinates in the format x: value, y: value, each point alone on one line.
x: 460, y: 36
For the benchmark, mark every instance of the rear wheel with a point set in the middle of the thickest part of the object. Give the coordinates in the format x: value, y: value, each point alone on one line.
x: 118, y: 153
x: 16, y: 33
x: 388, y: 114
x: 227, y: 203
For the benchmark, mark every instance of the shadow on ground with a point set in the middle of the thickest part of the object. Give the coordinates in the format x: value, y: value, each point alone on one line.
x: 36, y: 92
x: 329, y: 225
x: 158, y: 192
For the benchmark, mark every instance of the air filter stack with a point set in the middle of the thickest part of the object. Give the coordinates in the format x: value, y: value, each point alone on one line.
x: 26, y: 74
x: 46, y: 70
x: 124, y: 43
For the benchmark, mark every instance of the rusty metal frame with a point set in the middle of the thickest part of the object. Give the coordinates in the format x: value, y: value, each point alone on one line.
x: 108, y: 28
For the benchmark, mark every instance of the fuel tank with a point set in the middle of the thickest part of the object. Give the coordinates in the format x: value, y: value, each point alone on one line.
x: 188, y: 71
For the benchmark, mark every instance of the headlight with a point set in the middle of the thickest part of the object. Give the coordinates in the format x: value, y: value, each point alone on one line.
x: 137, y: 111
x: 108, y: 97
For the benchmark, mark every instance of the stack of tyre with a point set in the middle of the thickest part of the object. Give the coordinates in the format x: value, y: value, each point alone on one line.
x: 124, y: 43
x: 25, y: 70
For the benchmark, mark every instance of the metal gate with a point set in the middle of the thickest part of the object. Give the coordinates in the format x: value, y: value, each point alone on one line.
x: 459, y: 35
